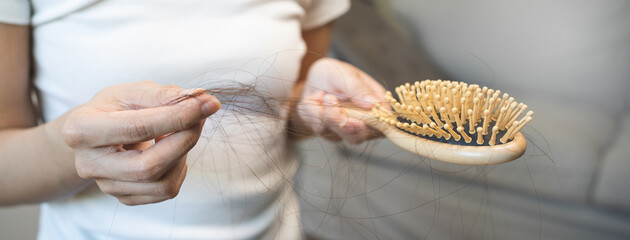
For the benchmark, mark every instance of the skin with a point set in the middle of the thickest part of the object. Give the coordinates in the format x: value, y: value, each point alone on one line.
x: 322, y: 84
x: 109, y: 140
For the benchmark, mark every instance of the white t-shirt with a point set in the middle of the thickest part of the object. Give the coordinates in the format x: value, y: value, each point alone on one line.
x: 239, y: 183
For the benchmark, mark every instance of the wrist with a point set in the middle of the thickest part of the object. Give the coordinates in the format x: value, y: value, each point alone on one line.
x: 64, y: 154
x: 53, y: 135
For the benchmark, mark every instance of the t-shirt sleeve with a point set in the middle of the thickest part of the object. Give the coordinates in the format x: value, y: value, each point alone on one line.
x: 15, y: 12
x: 321, y: 12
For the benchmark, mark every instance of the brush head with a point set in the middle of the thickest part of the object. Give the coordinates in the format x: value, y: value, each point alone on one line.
x: 455, y: 113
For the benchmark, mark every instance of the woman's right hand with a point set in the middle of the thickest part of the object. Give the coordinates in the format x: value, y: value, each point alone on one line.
x: 112, y: 136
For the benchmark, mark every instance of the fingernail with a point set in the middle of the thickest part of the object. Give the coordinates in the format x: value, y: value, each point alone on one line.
x: 210, y: 107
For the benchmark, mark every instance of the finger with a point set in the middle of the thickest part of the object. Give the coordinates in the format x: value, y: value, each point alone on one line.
x: 373, y: 133
x: 330, y: 135
x: 147, y: 94
x: 88, y: 162
x: 95, y: 129
x: 363, y: 133
x: 167, y: 186
x: 147, y: 165
x: 333, y: 117
x: 310, y: 110
x: 354, y: 85
x: 337, y: 121
x: 367, y: 91
x: 355, y: 131
x: 171, y: 192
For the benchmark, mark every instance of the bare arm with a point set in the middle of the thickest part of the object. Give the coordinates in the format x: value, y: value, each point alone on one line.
x: 34, y: 166
x: 317, y: 44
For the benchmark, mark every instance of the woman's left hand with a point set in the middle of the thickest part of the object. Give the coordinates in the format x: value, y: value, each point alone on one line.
x: 328, y: 83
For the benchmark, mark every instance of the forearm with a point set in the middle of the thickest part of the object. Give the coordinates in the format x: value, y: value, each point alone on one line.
x: 317, y: 42
x: 36, y: 165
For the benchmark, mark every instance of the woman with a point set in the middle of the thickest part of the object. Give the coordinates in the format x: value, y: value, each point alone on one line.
x: 106, y: 138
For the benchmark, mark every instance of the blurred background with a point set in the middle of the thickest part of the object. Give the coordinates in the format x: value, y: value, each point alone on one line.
x: 568, y: 60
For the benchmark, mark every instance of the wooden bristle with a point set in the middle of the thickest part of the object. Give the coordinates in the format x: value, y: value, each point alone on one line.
x: 471, y: 122
x: 461, y: 131
x: 486, y: 122
x: 453, y: 133
x: 479, y: 136
x: 448, y: 111
x: 440, y: 131
x: 493, y: 139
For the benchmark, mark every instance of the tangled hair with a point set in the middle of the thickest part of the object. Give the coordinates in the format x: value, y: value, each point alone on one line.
x: 334, y: 177
x: 362, y: 190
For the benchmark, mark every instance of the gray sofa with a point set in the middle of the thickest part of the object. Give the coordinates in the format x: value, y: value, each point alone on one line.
x: 569, y: 62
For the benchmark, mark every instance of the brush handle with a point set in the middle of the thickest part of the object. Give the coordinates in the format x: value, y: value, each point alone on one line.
x: 469, y: 155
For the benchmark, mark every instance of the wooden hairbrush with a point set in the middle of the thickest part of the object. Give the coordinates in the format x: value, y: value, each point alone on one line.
x: 428, y: 120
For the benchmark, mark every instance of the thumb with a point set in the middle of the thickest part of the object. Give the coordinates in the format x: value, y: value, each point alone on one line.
x: 348, y: 82
x: 147, y: 94
x: 365, y: 100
